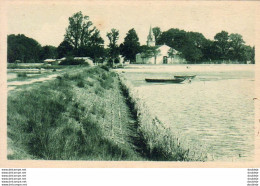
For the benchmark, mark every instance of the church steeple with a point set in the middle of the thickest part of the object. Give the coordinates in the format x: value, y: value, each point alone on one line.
x: 150, y: 38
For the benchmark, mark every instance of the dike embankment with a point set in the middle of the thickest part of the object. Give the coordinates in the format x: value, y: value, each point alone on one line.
x: 80, y: 115
x: 88, y: 113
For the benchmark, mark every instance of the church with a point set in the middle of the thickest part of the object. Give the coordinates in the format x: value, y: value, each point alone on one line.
x: 158, y: 54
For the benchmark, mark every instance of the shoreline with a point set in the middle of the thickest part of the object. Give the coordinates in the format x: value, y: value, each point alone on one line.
x: 88, y: 114
x: 158, y: 142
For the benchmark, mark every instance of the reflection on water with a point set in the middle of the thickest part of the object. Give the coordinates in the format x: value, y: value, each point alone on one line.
x: 216, y: 109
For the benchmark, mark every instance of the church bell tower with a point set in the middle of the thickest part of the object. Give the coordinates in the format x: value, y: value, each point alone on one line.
x: 150, y: 38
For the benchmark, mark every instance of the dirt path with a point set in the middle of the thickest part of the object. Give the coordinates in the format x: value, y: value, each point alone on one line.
x: 14, y: 84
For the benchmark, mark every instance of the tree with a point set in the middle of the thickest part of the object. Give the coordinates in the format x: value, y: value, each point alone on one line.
x: 190, y: 44
x: 172, y: 53
x: 157, y: 33
x: 236, y: 47
x: 48, y: 52
x: 248, y: 54
x: 130, y: 46
x: 95, y: 48
x: 209, y: 50
x: 192, y: 53
x: 113, y: 37
x: 20, y: 47
x: 222, y: 44
x: 79, y: 31
x: 174, y: 38
x: 195, y: 43
x: 64, y: 49
x: 252, y: 57
x: 155, y: 52
x: 149, y: 52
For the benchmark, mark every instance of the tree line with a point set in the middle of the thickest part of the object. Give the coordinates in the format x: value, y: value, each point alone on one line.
x: 83, y: 39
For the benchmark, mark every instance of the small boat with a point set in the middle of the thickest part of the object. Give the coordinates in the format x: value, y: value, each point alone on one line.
x: 186, y: 77
x: 175, y: 80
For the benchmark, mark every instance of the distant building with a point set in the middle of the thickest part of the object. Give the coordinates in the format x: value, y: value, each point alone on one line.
x: 150, y: 38
x: 121, y: 59
x: 158, y: 54
x: 51, y: 61
x: 61, y: 59
x: 86, y: 59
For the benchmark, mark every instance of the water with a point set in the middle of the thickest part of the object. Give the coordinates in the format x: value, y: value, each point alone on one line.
x: 215, y: 110
x: 11, y: 76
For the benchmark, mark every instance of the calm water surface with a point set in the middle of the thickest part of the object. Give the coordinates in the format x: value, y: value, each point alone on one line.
x: 215, y: 110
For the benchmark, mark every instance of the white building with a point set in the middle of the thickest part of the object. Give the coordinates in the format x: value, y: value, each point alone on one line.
x: 158, y: 54
x: 150, y: 38
x: 50, y: 61
x: 86, y: 59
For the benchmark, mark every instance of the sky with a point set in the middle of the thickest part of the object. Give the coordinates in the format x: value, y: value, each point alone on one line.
x: 46, y: 22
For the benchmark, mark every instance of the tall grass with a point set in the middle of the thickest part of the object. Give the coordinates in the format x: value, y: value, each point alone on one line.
x: 82, y: 115
x: 53, y: 122
x: 155, y: 140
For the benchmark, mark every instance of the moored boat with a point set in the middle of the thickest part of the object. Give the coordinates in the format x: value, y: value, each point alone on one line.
x: 174, y: 80
x: 186, y: 77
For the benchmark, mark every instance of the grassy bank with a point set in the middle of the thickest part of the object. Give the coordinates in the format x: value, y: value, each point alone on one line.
x: 32, y: 66
x: 156, y: 141
x: 89, y: 114
x: 78, y: 116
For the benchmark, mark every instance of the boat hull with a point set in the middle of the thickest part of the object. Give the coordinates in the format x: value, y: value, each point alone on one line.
x: 176, y: 80
x: 186, y: 77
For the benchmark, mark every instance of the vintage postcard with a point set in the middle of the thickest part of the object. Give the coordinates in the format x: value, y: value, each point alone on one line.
x: 130, y: 84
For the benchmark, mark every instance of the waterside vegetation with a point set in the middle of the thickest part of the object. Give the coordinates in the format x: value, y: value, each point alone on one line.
x: 88, y: 114
x: 156, y: 140
x: 78, y: 116
x: 82, y: 38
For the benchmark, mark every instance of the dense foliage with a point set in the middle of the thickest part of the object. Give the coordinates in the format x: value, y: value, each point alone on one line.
x: 131, y: 46
x: 113, y: 48
x: 27, y: 50
x: 22, y: 48
x: 82, y: 39
x: 48, y: 52
x: 196, y: 48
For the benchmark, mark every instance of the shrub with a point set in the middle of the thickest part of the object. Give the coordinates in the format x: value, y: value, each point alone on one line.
x: 106, y: 81
x: 21, y: 74
x: 90, y: 83
x: 81, y: 84
x: 12, y: 65
x: 76, y: 76
x: 98, y: 90
x: 120, y: 66
x: 71, y: 61
x: 105, y: 67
